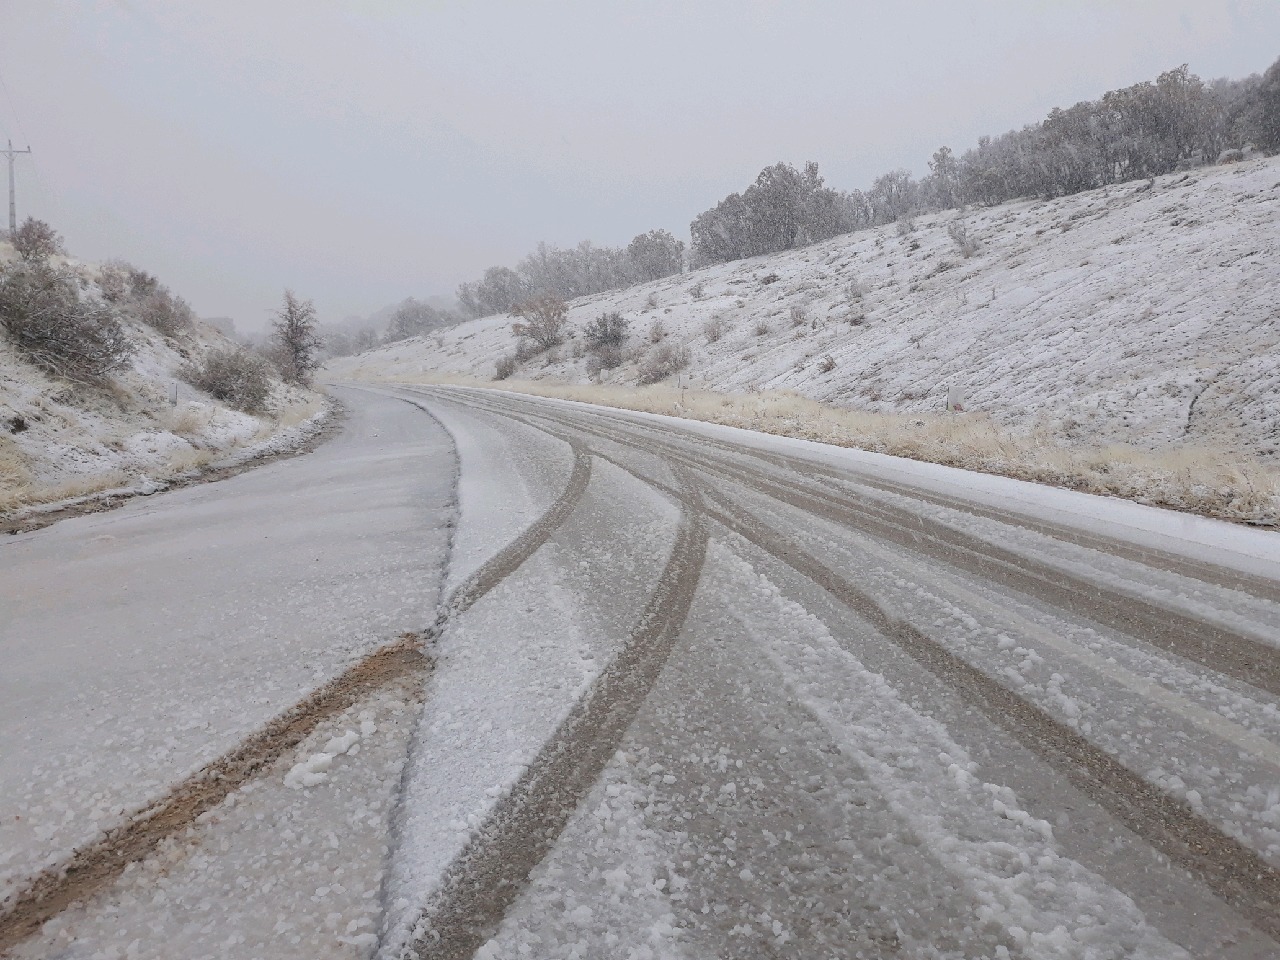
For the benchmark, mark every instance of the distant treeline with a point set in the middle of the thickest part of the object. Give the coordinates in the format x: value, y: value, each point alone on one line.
x: 1141, y: 131
x: 566, y: 274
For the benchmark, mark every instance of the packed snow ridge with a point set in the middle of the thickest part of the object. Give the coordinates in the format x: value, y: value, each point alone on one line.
x: 1143, y: 313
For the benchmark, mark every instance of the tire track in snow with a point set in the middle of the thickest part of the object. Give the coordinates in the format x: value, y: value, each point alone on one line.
x: 1233, y: 871
x: 1257, y: 586
x: 480, y: 886
x: 93, y: 867
x: 507, y: 560
x: 1218, y: 648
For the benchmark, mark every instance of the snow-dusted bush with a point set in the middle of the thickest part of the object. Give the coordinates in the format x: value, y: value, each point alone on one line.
x: 35, y: 241
x: 45, y: 317
x: 657, y: 332
x: 141, y: 295
x: 505, y: 367
x: 714, y: 329
x: 235, y: 376
x: 966, y: 243
x: 607, y: 331
x: 165, y: 312
x: 542, y: 322
x: 113, y: 281
x: 666, y: 359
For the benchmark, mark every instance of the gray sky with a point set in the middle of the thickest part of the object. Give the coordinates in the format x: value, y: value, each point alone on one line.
x: 361, y: 151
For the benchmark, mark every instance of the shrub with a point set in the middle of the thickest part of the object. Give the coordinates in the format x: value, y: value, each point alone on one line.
x: 665, y: 360
x: 826, y: 364
x: 235, y: 376
x: 651, y: 301
x: 714, y: 329
x: 43, y: 314
x: 696, y: 290
x: 141, y: 283
x: 113, y: 281
x: 657, y: 332
x: 542, y: 322
x: 607, y: 331
x: 968, y: 245
x: 798, y: 316
x: 35, y: 241
x: 169, y: 314
x: 505, y: 367
x: 762, y: 328
x: 609, y: 357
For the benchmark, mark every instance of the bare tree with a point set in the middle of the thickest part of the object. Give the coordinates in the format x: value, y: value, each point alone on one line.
x: 35, y: 241
x: 297, y: 342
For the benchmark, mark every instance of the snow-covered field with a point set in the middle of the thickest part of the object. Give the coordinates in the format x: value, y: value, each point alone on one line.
x: 60, y: 440
x: 1135, y: 326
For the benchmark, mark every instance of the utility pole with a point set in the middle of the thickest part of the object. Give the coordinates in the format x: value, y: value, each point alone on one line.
x: 13, y: 207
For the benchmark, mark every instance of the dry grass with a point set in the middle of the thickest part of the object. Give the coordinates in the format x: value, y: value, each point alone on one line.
x: 299, y: 411
x: 15, y: 478
x: 1199, y: 480
x: 30, y: 495
x: 184, y: 461
x: 188, y: 419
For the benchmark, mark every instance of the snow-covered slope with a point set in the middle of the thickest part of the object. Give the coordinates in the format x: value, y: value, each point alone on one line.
x: 1146, y: 314
x: 60, y: 440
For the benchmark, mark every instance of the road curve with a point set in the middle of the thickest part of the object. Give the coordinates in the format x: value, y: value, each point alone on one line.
x: 1116, y: 727
x: 698, y: 694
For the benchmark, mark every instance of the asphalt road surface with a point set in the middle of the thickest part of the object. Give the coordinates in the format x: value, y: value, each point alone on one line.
x: 646, y: 689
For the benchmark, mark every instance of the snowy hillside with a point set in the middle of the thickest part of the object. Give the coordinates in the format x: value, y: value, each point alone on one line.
x: 1146, y: 314
x: 61, y: 440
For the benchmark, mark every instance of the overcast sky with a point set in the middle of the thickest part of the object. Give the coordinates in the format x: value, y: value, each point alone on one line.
x: 361, y: 151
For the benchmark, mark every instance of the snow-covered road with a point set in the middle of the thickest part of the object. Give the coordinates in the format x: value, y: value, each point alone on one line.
x: 697, y: 693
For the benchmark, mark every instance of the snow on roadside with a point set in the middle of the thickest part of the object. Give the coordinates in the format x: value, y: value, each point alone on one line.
x: 284, y: 441
x: 1119, y: 340
x: 1230, y: 545
x: 1101, y: 316
x: 60, y: 441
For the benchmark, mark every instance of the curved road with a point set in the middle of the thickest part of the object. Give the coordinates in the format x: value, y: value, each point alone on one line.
x: 696, y: 693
